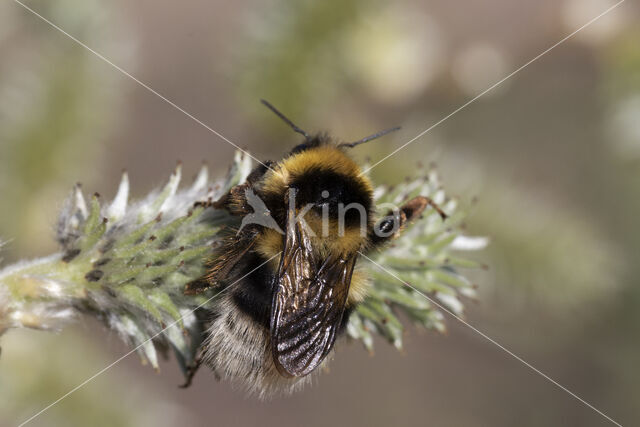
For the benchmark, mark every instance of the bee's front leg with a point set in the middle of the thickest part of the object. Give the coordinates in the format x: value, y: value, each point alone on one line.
x: 234, y: 201
x: 391, y: 225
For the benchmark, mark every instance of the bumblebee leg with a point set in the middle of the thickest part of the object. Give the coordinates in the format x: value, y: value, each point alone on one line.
x: 258, y: 172
x: 435, y: 206
x: 234, y: 200
x: 206, y: 204
x: 398, y: 220
x: 197, y: 286
x: 193, y: 367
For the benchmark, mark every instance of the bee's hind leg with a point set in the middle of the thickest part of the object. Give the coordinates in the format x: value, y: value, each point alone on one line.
x: 193, y: 367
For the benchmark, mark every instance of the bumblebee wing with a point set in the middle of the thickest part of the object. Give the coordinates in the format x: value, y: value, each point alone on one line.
x: 309, y: 298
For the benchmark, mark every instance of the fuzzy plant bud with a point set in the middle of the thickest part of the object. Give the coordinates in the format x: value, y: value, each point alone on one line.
x: 127, y: 264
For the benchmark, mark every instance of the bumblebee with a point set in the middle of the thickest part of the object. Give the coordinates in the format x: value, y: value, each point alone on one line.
x: 289, y: 276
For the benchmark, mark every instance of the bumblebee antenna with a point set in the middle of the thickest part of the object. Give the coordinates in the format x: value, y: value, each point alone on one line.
x: 285, y: 119
x: 369, y: 138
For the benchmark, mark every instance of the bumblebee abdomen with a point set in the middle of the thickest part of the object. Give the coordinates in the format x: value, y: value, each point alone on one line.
x: 252, y: 294
x: 237, y: 349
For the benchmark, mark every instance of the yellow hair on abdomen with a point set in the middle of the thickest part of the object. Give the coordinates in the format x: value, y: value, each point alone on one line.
x: 359, y: 288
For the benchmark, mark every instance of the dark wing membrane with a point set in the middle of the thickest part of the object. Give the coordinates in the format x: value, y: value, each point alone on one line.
x: 309, y: 298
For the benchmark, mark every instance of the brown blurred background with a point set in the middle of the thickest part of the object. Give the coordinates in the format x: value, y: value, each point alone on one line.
x: 553, y: 155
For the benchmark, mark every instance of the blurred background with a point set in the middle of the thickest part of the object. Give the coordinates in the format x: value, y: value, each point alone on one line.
x: 552, y: 154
